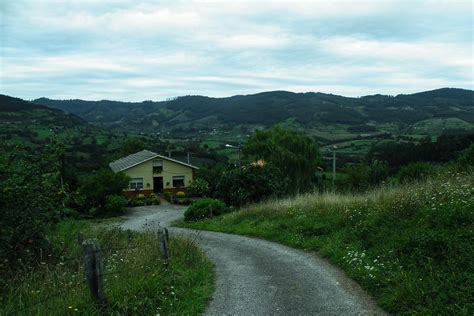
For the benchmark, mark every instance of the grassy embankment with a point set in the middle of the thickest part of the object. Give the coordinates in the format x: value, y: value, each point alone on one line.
x: 136, y: 280
x: 410, y: 246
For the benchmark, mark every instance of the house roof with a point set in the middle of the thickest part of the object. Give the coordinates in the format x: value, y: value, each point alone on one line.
x: 138, y: 158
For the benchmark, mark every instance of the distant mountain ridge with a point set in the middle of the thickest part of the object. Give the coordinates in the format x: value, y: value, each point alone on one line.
x: 301, y: 110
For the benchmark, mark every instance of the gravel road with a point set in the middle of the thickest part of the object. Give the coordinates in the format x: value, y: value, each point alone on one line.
x: 258, y: 277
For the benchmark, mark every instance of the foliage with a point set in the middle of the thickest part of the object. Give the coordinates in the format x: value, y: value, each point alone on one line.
x: 414, y: 171
x: 141, y: 200
x: 269, y: 108
x: 183, y: 201
x: 168, y: 196
x: 98, y: 186
x: 249, y: 184
x: 199, y: 187
x: 31, y: 200
x: 114, y: 204
x: 446, y: 148
x: 204, y: 208
x: 363, y: 176
x: 410, y: 246
x: 467, y: 157
x: 154, y: 199
x: 129, y: 146
x: 212, y: 175
x: 136, y: 280
x: 293, y: 153
x: 180, y: 194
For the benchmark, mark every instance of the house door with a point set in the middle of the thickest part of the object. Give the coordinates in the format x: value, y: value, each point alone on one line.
x: 158, y: 184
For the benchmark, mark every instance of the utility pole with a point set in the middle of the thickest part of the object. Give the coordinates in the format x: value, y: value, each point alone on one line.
x: 240, y: 163
x: 189, y: 158
x: 239, y: 147
x: 334, y: 165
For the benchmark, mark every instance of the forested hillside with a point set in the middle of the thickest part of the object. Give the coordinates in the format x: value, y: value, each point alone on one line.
x: 305, y: 110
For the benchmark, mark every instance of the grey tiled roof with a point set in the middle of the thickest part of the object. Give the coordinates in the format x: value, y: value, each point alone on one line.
x: 139, y: 157
x: 131, y: 160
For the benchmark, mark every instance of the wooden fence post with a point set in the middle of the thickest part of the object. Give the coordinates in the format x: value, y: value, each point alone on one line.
x: 164, y: 243
x: 93, y: 269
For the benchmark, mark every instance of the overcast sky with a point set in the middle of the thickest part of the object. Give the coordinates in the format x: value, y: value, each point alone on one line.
x: 134, y: 50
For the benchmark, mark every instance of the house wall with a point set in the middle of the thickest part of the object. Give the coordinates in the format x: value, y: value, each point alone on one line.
x: 170, y: 169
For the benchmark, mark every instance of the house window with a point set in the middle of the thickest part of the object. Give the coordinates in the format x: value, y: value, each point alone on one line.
x: 136, y: 183
x: 178, y: 181
x: 157, y: 166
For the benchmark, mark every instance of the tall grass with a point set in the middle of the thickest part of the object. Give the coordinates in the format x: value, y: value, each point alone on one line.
x: 410, y: 246
x: 136, y: 279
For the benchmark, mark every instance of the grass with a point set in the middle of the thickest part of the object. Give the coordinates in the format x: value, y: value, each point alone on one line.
x: 136, y: 279
x: 411, y: 246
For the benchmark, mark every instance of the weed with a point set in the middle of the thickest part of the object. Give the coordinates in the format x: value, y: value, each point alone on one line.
x: 136, y: 280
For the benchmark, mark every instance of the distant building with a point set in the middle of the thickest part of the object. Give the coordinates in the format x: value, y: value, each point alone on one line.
x: 154, y: 173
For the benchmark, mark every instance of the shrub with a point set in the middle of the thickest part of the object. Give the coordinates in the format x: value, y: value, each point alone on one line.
x: 204, y: 208
x: 168, y: 196
x: 363, y: 176
x: 154, y: 199
x: 199, y: 187
x: 114, y: 204
x: 101, y: 184
x: 414, y: 171
x: 180, y: 194
x: 30, y: 202
x: 467, y: 158
x: 183, y: 201
x: 249, y: 184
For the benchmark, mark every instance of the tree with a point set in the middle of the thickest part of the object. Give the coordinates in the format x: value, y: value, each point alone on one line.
x: 130, y: 146
x: 31, y: 200
x: 100, y: 186
x: 293, y: 153
x: 252, y: 183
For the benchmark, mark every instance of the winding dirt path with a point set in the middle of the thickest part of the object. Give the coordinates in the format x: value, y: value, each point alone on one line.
x: 258, y: 277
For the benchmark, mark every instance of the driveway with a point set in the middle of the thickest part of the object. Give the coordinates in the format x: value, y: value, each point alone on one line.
x: 258, y: 277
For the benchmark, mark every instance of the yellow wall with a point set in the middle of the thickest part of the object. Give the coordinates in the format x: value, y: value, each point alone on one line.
x: 170, y: 169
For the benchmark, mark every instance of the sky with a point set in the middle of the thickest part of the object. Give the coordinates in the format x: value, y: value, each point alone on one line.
x: 132, y: 50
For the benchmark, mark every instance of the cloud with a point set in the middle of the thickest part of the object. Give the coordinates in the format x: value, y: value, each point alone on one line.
x: 129, y: 50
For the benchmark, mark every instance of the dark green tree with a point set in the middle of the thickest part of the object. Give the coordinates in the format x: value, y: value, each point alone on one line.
x: 31, y: 200
x: 252, y: 183
x: 293, y: 153
x: 98, y: 189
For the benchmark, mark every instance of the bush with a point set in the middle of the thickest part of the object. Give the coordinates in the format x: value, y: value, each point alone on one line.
x: 199, y: 187
x: 414, y: 171
x: 168, y: 196
x: 180, y: 194
x: 204, y: 208
x: 183, y: 201
x: 154, y: 199
x: 249, y: 184
x: 30, y: 203
x: 363, y: 176
x: 114, y: 204
x: 97, y: 187
x: 467, y: 158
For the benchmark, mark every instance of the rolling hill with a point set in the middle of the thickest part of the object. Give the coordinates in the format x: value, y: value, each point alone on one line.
x: 354, y: 124
x: 306, y: 111
x: 32, y: 126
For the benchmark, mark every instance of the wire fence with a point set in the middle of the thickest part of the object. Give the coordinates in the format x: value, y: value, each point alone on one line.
x: 92, y: 266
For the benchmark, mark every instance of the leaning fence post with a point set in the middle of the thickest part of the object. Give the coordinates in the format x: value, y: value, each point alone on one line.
x: 164, y: 243
x: 93, y: 269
